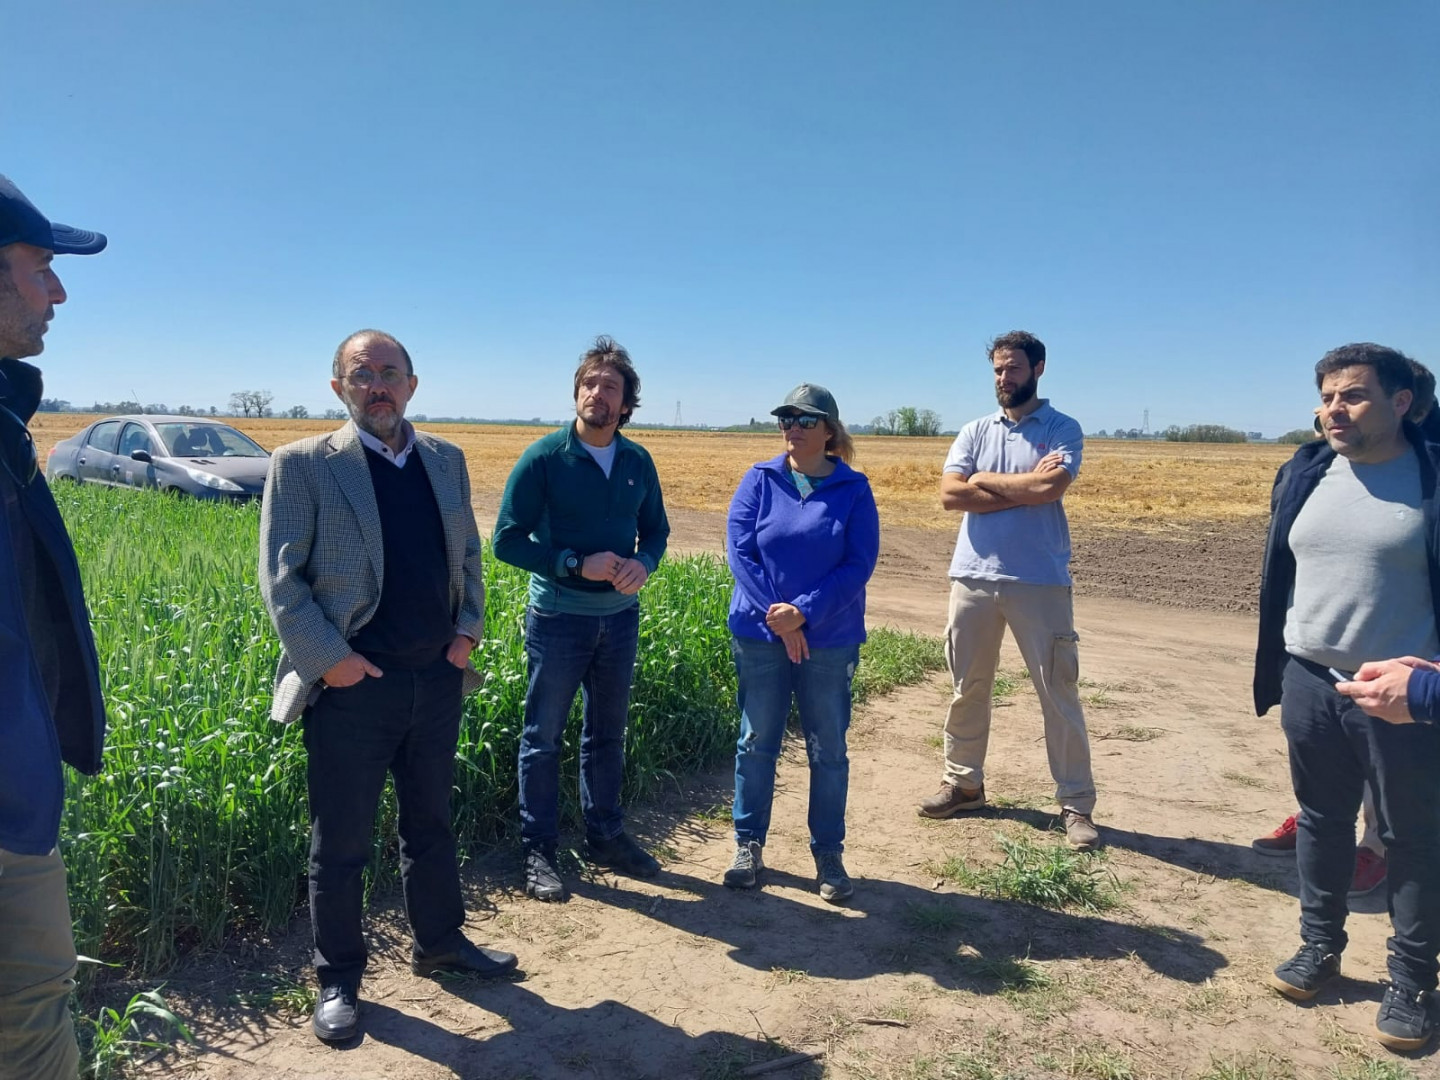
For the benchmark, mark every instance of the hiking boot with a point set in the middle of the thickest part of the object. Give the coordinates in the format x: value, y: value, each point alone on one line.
x: 1300, y: 977
x: 623, y: 855
x: 1404, y: 1021
x: 542, y: 878
x: 835, y: 886
x: 745, y: 868
x: 1079, y: 830
x: 950, y: 800
x: 1279, y: 842
x: 1370, y: 872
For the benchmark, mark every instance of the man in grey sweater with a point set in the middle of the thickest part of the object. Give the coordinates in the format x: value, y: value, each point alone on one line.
x: 1352, y: 574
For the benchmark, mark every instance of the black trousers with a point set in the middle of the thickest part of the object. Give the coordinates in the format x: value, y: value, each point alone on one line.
x: 406, y: 723
x: 1334, y: 748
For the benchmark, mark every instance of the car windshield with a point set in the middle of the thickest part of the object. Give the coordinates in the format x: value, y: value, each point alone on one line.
x: 207, y: 440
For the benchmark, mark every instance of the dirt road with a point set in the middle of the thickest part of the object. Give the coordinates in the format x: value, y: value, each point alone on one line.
x: 916, y: 978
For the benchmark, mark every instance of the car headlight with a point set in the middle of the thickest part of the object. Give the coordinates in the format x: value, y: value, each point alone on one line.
x: 210, y: 480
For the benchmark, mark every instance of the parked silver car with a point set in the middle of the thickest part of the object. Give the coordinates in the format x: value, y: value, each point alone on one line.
x: 181, y: 454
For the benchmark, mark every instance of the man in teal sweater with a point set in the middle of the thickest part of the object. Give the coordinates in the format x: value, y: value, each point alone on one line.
x: 583, y: 513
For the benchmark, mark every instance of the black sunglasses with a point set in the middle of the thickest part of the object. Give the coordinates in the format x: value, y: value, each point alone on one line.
x: 17, y: 449
x: 805, y: 422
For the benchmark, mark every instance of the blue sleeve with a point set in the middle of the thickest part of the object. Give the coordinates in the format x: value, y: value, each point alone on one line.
x: 1070, y: 441
x: 742, y: 544
x: 843, y: 585
x: 1423, y: 693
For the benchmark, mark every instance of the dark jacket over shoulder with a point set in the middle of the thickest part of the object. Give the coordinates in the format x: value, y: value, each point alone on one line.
x: 36, y: 733
x: 1293, y: 484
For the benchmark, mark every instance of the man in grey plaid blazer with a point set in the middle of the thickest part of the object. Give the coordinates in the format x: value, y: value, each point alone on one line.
x: 370, y: 568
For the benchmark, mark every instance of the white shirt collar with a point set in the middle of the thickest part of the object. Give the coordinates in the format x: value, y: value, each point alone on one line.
x: 370, y: 442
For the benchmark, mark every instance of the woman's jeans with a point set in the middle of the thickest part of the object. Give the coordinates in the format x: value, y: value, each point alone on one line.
x: 821, y: 689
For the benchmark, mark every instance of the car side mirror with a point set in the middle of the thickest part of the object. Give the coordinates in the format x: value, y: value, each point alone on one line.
x: 140, y: 455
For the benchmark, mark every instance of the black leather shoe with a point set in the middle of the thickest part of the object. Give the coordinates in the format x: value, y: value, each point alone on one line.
x: 468, y: 959
x: 622, y: 854
x: 337, y: 1014
x: 542, y: 879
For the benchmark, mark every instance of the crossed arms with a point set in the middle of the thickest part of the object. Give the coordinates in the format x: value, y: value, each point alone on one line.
x: 986, y: 492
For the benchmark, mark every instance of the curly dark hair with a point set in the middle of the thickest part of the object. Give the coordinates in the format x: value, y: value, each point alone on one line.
x: 1393, y: 368
x: 1026, y: 342
x: 607, y: 352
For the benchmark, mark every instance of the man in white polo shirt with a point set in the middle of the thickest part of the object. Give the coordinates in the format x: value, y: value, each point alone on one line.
x: 1008, y: 472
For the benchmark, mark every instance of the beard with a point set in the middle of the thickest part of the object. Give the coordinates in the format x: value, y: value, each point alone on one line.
x: 381, y: 425
x: 597, y: 415
x: 22, y: 332
x: 1020, y: 395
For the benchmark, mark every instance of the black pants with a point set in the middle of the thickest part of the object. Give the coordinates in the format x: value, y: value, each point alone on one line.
x: 406, y: 723
x: 1334, y: 748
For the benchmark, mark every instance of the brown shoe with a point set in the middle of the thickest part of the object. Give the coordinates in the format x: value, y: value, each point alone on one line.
x: 950, y: 800
x: 1079, y: 829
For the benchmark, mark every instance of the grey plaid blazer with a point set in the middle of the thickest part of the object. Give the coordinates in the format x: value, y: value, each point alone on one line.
x: 322, y: 558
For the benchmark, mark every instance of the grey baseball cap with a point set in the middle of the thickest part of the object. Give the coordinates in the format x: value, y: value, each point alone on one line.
x: 810, y: 399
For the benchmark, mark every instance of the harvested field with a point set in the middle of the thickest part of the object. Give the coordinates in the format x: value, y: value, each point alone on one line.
x: 1143, y: 487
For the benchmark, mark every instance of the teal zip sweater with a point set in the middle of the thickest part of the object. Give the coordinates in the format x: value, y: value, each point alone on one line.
x: 558, y: 502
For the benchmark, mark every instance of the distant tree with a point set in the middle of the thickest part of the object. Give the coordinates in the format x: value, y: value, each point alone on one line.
x: 186, y: 410
x: 251, y: 402
x: 927, y: 422
x: 297, y: 412
x: 1100, y: 434
x: 214, y: 411
x: 155, y: 408
x: 50, y: 404
x: 334, y: 414
x: 882, y: 425
x: 1299, y: 436
x: 907, y: 420
x: 1203, y: 433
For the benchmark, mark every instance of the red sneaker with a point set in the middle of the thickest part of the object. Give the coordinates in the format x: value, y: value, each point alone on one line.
x: 1370, y: 872
x: 1279, y: 842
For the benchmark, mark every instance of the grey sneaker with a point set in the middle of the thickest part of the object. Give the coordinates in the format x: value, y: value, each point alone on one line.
x: 950, y: 800
x: 1301, y: 977
x: 1079, y: 830
x: 1404, y: 1021
x: 745, y: 868
x: 835, y: 886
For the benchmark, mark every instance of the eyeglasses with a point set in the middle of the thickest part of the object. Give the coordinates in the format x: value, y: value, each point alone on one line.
x: 805, y: 422
x: 17, y: 449
x: 364, y: 378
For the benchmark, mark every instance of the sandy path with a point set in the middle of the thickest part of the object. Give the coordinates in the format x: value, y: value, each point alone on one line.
x: 682, y: 978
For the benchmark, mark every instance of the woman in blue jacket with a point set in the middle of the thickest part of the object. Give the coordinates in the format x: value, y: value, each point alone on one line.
x: 802, y: 539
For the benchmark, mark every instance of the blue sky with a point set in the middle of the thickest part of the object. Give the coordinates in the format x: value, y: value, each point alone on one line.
x: 1188, y: 202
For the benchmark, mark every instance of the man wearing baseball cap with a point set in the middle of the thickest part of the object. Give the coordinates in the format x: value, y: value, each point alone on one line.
x: 49, y: 674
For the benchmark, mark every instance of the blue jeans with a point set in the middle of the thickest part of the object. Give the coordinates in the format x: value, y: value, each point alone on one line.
x: 1334, y: 749
x: 594, y: 654
x: 821, y: 688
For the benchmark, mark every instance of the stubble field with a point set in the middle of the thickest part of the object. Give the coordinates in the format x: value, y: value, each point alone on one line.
x: 1143, y: 486
x: 958, y: 959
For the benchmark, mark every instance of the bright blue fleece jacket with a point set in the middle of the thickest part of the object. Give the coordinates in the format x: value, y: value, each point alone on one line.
x: 816, y: 553
x: 1423, y: 694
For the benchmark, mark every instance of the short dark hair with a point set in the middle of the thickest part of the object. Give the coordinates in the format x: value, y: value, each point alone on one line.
x: 1424, y: 399
x: 337, y: 368
x: 1393, y: 368
x: 1026, y: 342
x: 607, y: 352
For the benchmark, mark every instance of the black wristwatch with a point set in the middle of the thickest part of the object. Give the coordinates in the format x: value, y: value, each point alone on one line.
x: 572, y: 565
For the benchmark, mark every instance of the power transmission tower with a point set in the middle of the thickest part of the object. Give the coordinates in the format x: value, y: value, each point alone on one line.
x: 1146, y: 427
x: 678, y: 421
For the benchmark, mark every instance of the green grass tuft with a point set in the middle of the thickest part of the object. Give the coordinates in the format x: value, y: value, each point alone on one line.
x: 1046, y: 875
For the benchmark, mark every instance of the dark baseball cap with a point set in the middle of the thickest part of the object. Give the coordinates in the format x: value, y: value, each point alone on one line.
x: 21, y: 223
x: 809, y: 399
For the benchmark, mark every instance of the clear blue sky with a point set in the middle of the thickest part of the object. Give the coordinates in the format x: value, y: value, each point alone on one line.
x: 1188, y: 202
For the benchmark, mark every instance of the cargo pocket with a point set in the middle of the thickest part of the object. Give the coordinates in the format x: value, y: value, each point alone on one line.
x: 1065, y: 659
